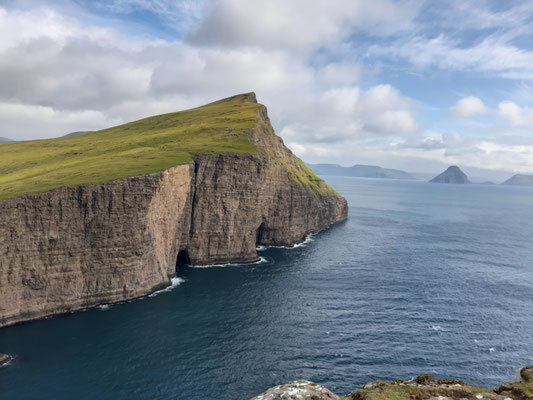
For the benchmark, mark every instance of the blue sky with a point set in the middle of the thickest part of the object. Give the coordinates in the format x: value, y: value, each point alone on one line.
x: 408, y: 84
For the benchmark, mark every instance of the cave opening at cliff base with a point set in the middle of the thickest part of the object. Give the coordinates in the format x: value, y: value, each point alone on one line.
x: 183, y: 258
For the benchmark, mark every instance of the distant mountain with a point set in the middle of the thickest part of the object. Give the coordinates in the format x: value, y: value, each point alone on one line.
x: 519, y: 180
x: 75, y: 133
x: 4, y: 140
x: 452, y: 175
x: 359, y: 171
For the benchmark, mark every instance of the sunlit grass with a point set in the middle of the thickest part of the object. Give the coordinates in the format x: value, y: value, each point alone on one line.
x: 141, y: 147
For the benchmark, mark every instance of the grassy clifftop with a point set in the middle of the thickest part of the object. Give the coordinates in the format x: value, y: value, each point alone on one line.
x: 141, y: 147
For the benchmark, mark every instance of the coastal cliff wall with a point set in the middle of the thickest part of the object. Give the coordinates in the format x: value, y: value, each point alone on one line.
x: 77, y: 247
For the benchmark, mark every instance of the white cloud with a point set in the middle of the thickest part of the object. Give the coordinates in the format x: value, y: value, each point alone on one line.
x: 47, y: 122
x: 468, y: 107
x: 73, y: 69
x: 61, y: 74
x: 300, y: 24
x: 516, y: 115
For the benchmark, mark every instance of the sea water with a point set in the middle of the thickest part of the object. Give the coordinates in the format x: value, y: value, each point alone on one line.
x: 421, y: 279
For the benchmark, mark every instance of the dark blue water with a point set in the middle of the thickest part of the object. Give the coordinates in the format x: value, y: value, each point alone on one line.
x: 422, y: 278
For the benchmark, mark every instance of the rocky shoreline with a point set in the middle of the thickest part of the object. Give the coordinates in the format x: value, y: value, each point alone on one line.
x: 4, y: 359
x: 425, y: 387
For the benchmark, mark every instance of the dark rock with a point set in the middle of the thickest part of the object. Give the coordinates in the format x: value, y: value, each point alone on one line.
x: 526, y: 373
x: 425, y: 379
x: 452, y: 175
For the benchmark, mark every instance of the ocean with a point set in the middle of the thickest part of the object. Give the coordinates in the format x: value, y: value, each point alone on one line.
x: 421, y: 279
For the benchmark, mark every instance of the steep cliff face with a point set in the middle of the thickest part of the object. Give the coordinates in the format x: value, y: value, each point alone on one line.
x: 77, y: 247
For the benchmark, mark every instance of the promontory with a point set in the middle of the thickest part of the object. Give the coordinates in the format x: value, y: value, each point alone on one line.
x: 106, y: 216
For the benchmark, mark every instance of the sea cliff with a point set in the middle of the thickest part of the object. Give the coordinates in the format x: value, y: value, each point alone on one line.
x: 74, y: 247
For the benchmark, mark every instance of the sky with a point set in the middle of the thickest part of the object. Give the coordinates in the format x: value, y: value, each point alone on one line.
x: 410, y: 84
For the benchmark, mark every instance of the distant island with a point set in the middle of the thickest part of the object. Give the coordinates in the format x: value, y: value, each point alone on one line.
x: 452, y: 175
x: 519, y: 180
x: 75, y: 133
x: 359, y: 171
x: 4, y: 140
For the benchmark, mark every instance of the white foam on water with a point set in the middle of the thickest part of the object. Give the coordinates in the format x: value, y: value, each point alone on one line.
x: 260, y: 261
x: 436, y: 328
x: 174, y: 282
x: 104, y: 307
x: 308, y: 239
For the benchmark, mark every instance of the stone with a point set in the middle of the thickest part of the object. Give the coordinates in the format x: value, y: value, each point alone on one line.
x: 4, y: 359
x: 374, y: 384
x: 526, y: 373
x: 297, y: 390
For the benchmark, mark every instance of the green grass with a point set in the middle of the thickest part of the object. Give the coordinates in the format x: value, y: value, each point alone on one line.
x: 141, y: 147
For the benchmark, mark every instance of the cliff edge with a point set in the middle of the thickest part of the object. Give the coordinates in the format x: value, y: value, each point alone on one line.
x: 106, y: 216
x: 424, y: 387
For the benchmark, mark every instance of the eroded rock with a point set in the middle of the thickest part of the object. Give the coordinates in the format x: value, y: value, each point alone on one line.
x: 526, y: 373
x: 297, y: 390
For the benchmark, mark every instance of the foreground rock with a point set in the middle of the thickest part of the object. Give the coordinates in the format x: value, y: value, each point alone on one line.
x: 4, y: 359
x: 297, y: 390
x: 452, y: 175
x: 428, y: 387
x: 78, y: 247
x: 424, y: 387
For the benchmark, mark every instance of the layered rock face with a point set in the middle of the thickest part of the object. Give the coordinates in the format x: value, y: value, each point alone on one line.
x: 78, y: 247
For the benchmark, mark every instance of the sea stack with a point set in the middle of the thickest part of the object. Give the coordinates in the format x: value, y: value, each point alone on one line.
x: 452, y: 175
x: 106, y: 216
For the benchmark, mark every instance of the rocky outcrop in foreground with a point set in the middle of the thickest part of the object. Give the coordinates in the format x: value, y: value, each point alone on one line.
x: 297, y: 390
x: 424, y: 387
x: 77, y: 247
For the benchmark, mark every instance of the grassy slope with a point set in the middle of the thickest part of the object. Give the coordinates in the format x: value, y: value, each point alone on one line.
x: 136, y: 148
x: 140, y: 147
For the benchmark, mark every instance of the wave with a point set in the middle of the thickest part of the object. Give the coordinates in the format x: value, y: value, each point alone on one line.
x: 437, y: 328
x: 174, y: 282
x: 260, y: 261
x: 308, y: 239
